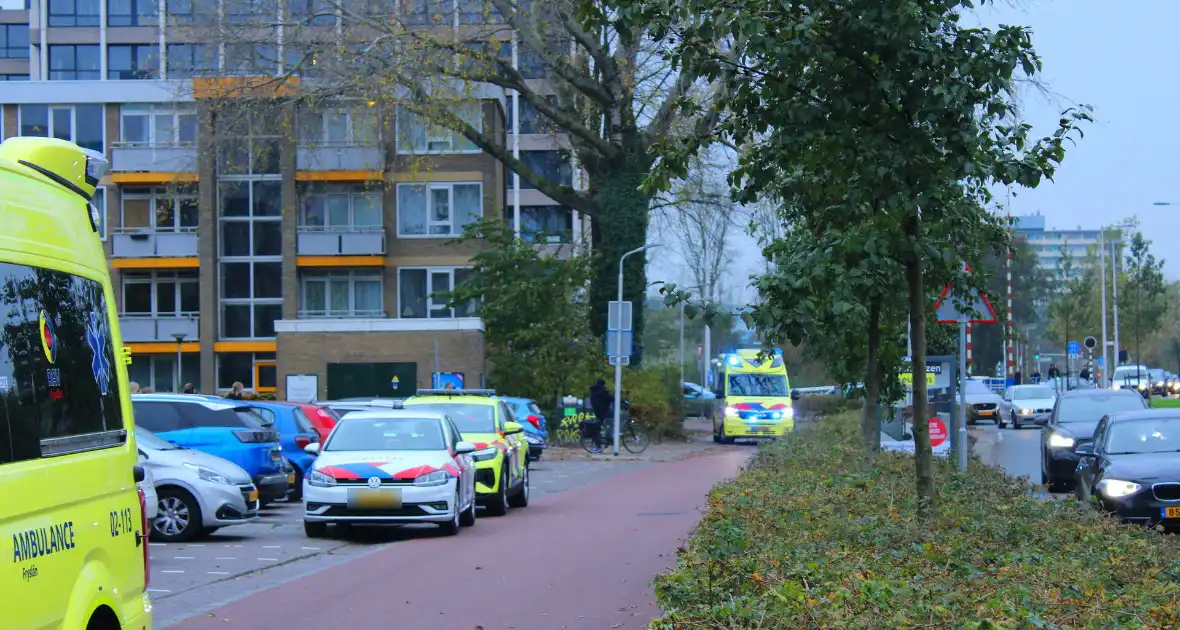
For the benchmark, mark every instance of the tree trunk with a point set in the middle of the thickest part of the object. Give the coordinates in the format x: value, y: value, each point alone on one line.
x: 620, y: 227
x: 923, y: 454
x: 868, y: 421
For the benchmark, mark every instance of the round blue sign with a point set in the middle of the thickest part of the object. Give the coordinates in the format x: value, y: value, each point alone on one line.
x: 1075, y: 347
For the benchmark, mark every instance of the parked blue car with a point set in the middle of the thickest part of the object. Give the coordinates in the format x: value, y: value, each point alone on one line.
x: 529, y: 415
x: 225, y: 428
x: 295, y: 432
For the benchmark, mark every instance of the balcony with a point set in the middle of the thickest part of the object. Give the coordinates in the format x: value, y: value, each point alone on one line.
x: 359, y: 241
x: 341, y: 314
x: 151, y: 243
x: 153, y: 328
x: 338, y: 158
x: 153, y: 159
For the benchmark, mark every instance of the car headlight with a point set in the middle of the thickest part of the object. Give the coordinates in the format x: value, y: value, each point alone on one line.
x: 1116, y: 386
x: 207, y: 475
x: 436, y: 478
x: 319, y: 479
x: 1115, y: 488
x: 1026, y: 412
x: 485, y: 454
x: 731, y: 412
x: 1142, y: 386
x: 1057, y: 440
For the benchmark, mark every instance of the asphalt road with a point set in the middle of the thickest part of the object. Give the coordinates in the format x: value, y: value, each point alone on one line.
x: 636, y: 510
x: 1017, y: 452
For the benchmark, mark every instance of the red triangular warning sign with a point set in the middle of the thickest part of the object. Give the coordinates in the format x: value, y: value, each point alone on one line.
x: 949, y: 313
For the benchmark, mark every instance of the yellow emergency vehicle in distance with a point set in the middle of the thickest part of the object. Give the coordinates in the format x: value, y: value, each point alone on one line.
x: 753, y: 397
x: 73, y: 537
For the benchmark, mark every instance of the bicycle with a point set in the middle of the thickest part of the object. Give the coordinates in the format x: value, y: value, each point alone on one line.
x: 632, y: 437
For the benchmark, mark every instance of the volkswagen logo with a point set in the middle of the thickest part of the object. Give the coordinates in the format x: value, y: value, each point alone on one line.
x: 374, y: 482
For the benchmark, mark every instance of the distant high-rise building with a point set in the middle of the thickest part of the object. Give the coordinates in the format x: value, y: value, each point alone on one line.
x: 1050, y: 245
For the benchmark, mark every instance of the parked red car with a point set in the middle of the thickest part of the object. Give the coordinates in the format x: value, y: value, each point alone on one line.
x: 322, y: 418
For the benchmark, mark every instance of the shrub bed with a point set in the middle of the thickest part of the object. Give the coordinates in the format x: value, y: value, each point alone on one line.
x: 657, y: 400
x: 804, y: 538
x: 820, y: 406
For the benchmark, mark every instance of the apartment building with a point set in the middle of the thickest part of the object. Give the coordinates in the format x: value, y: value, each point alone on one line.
x: 246, y: 253
x: 1051, y: 245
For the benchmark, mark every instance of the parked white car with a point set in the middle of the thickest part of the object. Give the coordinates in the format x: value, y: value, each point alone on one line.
x: 197, y: 493
x: 1023, y: 404
x: 391, y: 466
x: 151, y: 502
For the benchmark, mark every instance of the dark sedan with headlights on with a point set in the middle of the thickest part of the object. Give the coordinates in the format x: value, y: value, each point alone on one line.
x: 1131, y: 469
x: 1074, y: 418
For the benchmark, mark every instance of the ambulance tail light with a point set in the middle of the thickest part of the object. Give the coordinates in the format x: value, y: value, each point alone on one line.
x: 143, y: 540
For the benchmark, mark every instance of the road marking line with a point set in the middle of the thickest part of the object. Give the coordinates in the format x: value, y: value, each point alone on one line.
x: 224, y: 558
x: 268, y: 559
x: 171, y: 571
x: 274, y: 547
x: 218, y: 572
x: 158, y: 590
x: 183, y: 558
x: 311, y: 548
x: 158, y: 544
x: 197, y: 545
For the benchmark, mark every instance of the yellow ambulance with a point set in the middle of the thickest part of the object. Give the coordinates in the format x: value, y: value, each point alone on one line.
x: 753, y: 396
x: 73, y: 537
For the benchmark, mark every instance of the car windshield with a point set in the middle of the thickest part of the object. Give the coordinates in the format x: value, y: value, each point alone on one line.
x: 152, y: 442
x: 387, y: 434
x: 1093, y: 408
x: 1157, y: 375
x: 468, y: 418
x: 1031, y: 393
x: 1156, y: 435
x: 975, y: 388
x: 757, y: 385
x: 1129, y: 371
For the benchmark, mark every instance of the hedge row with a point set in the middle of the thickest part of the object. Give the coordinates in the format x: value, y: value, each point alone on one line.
x: 804, y: 538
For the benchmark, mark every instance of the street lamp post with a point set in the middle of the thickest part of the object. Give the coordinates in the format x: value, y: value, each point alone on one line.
x: 619, y: 346
x: 179, y: 358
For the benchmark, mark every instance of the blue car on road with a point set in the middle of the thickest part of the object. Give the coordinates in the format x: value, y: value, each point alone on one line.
x: 295, y: 432
x: 529, y: 415
x: 225, y: 428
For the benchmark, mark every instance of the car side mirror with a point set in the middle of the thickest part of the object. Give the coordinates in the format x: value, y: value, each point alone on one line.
x: 511, y: 428
x: 312, y: 449
x: 138, y: 474
x: 463, y: 448
x: 794, y: 394
x: 1085, y: 449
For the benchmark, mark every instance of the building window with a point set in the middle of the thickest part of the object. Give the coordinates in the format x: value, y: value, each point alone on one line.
x: 254, y: 370
x: 14, y: 77
x: 74, y: 63
x: 133, y: 12
x: 554, y: 166
x: 249, y: 144
x: 158, y: 125
x: 340, y: 206
x: 251, y: 267
x: 255, y: 12
x: 478, y: 12
x: 546, y: 224
x: 185, y: 12
x: 418, y: 290
x: 135, y: 61
x: 312, y: 12
x: 251, y: 59
x: 190, y: 60
x: 418, y: 135
x: 100, y: 204
x: 339, y: 126
x: 158, y: 371
x: 437, y: 209
x: 73, y: 13
x: 341, y: 294
x: 80, y: 124
x: 160, y: 209
x: 436, y: 12
x: 14, y: 41
x: 161, y: 294
x: 532, y: 120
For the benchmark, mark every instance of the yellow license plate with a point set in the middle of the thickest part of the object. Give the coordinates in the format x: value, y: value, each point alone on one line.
x: 986, y: 413
x: 1172, y: 512
x: 253, y: 496
x: 291, y: 479
x: 375, y: 499
x: 274, y: 456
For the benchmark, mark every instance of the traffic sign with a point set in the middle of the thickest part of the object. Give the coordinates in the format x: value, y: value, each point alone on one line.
x: 618, y: 329
x: 1074, y: 348
x: 960, y: 311
x: 1090, y: 342
x: 937, y: 432
x: 1101, y: 362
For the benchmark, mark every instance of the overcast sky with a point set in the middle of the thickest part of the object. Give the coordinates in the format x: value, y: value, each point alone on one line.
x: 1117, y: 57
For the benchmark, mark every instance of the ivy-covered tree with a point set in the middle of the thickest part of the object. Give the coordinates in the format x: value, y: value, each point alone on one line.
x: 890, y: 113
x: 536, y: 332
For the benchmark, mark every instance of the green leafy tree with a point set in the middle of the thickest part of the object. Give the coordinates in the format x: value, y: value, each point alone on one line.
x: 890, y: 113
x: 1143, y: 297
x: 536, y: 329
x: 1073, y: 307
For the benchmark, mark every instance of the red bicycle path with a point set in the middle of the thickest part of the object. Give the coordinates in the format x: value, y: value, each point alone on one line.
x: 579, y: 560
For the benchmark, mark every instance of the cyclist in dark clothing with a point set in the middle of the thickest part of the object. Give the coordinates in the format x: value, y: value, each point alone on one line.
x: 602, y: 402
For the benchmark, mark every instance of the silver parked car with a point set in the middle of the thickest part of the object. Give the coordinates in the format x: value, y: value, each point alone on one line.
x: 198, y: 493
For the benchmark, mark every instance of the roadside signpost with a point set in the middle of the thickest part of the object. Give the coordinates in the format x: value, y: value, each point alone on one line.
x: 937, y: 432
x: 974, y: 309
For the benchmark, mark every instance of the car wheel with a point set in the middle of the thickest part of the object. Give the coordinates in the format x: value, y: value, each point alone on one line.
x: 520, y: 498
x: 724, y: 439
x: 1015, y: 423
x: 467, y: 519
x: 451, y: 526
x: 178, y: 518
x: 716, y: 435
x: 498, y: 504
x: 315, y: 529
